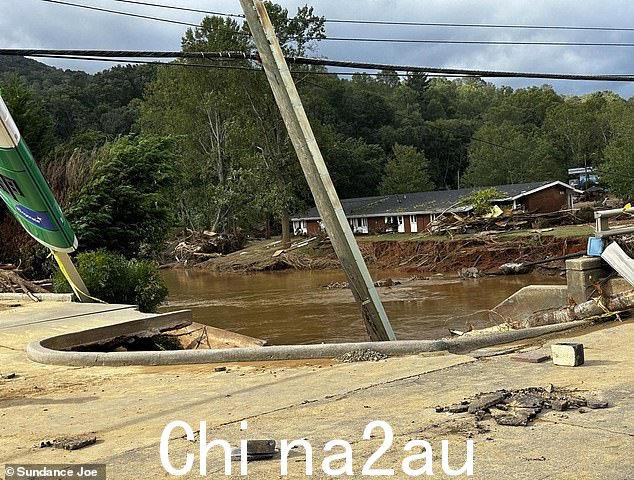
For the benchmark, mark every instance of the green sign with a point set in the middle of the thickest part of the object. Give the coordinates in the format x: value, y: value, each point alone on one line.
x: 26, y: 193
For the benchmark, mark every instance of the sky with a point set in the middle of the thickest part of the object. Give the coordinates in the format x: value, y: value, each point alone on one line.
x: 37, y: 24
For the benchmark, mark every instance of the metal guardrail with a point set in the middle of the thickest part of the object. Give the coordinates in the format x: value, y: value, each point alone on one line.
x: 603, y: 228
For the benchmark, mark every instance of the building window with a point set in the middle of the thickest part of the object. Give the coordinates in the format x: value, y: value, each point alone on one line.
x: 412, y: 219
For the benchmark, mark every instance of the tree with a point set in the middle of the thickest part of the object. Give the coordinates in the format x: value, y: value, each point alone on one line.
x: 504, y: 154
x: 406, y: 171
x: 617, y: 169
x: 125, y: 206
x: 30, y: 117
x: 231, y: 127
x: 617, y: 166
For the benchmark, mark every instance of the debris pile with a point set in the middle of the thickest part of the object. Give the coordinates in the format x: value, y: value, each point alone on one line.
x: 387, y: 282
x: 366, y: 355
x: 452, y: 223
x: 521, y: 406
x: 485, y: 253
x: 199, y: 246
x: 12, y: 281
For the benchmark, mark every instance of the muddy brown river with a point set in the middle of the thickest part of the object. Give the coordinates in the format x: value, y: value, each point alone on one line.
x: 294, y: 307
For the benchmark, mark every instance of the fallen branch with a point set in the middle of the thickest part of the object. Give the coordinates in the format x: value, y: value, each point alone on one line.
x: 592, y: 308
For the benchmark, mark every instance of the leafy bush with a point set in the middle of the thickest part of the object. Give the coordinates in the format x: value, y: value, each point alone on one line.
x: 480, y: 200
x: 124, y: 207
x: 115, y: 279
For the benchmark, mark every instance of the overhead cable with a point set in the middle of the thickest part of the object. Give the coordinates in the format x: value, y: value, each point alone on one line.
x: 400, y: 22
x: 366, y: 40
x: 320, y: 62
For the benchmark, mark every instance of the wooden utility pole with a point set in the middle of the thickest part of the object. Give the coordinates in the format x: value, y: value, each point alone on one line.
x: 72, y: 276
x: 301, y: 134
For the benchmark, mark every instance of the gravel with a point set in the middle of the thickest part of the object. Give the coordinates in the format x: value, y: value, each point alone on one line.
x: 361, y: 356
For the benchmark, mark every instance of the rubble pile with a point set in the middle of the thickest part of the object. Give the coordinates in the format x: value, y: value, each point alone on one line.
x: 200, y: 246
x: 519, y: 407
x: 452, y: 223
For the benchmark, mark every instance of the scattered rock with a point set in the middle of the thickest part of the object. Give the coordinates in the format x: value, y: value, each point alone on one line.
x: 480, y: 414
x: 257, y: 450
x: 470, y: 272
x: 220, y: 369
x: 595, y: 403
x: 70, y: 442
x: 559, y: 405
x: 388, y: 282
x: 362, y: 356
x: 8, y: 376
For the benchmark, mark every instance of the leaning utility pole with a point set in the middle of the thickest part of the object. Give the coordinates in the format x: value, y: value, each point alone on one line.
x: 301, y: 134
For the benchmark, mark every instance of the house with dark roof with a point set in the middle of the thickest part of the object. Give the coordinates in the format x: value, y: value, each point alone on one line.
x: 413, y: 212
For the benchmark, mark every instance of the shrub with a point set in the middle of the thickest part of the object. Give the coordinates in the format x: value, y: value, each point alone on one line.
x: 114, y: 279
x: 480, y: 200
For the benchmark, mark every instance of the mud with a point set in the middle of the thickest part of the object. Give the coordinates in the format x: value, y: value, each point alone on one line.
x: 421, y: 256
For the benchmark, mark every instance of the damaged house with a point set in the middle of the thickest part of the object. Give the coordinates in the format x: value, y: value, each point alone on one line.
x: 413, y: 212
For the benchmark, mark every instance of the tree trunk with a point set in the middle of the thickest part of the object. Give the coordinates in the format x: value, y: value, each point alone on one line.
x: 286, y: 229
x: 267, y: 227
x: 591, y: 308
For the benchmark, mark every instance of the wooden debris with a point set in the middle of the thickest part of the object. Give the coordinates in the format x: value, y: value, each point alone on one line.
x: 12, y: 282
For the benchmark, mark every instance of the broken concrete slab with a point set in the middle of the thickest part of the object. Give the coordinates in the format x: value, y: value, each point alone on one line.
x: 486, y: 401
x: 532, y: 356
x: 512, y: 419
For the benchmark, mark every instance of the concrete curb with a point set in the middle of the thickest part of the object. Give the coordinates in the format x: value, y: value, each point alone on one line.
x: 38, y: 353
x: 42, y: 297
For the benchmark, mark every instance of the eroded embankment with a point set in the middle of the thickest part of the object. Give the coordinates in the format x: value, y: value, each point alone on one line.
x: 487, y: 254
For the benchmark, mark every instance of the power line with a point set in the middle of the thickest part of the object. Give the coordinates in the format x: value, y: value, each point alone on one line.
x: 318, y: 62
x: 404, y: 23
x: 117, y: 12
x: 184, y: 9
x: 221, y: 66
x: 500, y: 146
x: 478, y: 42
x: 360, y: 39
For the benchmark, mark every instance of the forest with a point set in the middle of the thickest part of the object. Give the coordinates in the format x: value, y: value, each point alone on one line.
x: 138, y: 153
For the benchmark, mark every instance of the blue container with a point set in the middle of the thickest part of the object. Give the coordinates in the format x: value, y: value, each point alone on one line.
x: 595, y: 247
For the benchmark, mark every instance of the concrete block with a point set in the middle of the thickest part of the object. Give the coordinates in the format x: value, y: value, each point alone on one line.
x: 567, y: 354
x: 581, y: 274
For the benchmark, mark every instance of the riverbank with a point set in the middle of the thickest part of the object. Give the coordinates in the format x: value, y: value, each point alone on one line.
x: 127, y: 408
x: 411, y: 253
